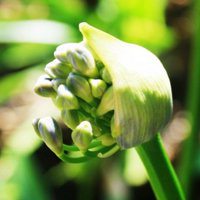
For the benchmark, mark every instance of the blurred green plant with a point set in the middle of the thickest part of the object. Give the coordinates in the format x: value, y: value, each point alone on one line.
x: 139, y: 22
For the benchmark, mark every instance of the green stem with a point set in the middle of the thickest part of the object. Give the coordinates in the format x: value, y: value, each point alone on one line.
x: 190, y: 146
x: 162, y: 176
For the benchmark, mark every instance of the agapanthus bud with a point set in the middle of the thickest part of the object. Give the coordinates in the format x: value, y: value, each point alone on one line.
x: 79, y: 57
x: 113, y: 128
x: 82, y: 61
x: 51, y: 134
x: 35, y: 126
x: 98, y: 87
x: 106, y: 76
x: 62, y: 50
x: 80, y: 87
x: 56, y: 82
x: 70, y: 118
x: 57, y: 69
x: 66, y: 99
x: 44, y: 87
x: 106, y: 139
x: 82, y: 135
x: 107, y: 102
x: 97, y: 131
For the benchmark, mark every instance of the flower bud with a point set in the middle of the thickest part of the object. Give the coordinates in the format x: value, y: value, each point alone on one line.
x: 113, y: 128
x: 62, y: 50
x: 35, y: 126
x: 97, y: 131
x: 98, y: 87
x: 106, y: 76
x: 80, y: 87
x: 79, y: 57
x: 107, y: 102
x: 82, y: 61
x: 57, y: 69
x: 106, y: 139
x: 51, y: 134
x: 66, y: 99
x: 70, y: 118
x: 44, y: 87
x: 82, y: 135
x: 57, y: 81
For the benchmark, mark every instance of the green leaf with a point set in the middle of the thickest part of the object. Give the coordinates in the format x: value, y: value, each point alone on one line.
x: 36, y: 31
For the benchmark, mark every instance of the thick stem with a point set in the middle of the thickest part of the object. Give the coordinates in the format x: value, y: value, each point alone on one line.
x: 161, y: 174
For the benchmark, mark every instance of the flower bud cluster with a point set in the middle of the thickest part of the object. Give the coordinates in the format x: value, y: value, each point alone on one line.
x: 112, y: 94
x: 81, y: 88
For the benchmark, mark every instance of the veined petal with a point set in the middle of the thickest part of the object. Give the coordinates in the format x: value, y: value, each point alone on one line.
x: 142, y: 91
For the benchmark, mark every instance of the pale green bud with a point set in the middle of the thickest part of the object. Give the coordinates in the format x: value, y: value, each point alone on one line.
x: 82, y: 61
x: 79, y: 57
x: 106, y: 76
x: 106, y: 139
x: 57, y: 81
x: 57, y: 69
x: 62, y: 50
x: 107, y: 102
x: 82, y: 135
x: 70, y: 118
x: 51, y: 134
x: 97, y: 131
x: 44, y: 87
x: 66, y: 99
x: 113, y: 128
x: 98, y: 87
x: 80, y: 87
x: 35, y: 126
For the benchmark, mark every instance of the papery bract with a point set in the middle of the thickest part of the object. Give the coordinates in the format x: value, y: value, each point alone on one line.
x: 142, y: 91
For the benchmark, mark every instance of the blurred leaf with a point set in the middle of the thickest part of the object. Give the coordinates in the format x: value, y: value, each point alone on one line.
x: 140, y: 22
x: 29, y: 181
x: 149, y: 33
x: 21, y: 178
x: 36, y: 31
x: 144, y: 24
x: 24, y: 56
x: 70, y: 11
x: 134, y: 171
x: 10, y: 85
x: 151, y: 9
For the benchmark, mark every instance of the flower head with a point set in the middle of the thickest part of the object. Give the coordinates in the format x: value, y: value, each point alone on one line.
x: 113, y: 95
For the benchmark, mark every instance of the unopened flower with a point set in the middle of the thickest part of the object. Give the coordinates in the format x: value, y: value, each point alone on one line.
x: 48, y: 129
x: 82, y: 135
x: 113, y: 95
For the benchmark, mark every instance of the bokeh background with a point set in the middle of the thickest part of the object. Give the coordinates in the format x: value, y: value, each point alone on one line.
x: 30, y: 30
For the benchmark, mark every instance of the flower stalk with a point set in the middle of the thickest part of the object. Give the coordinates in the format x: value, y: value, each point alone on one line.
x: 162, y: 176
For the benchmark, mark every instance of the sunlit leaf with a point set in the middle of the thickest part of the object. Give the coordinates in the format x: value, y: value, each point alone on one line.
x: 36, y: 31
